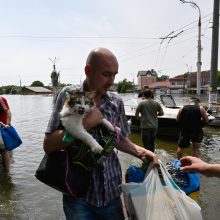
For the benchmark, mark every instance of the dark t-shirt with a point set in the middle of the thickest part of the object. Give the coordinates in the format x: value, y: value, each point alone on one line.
x: 191, y: 119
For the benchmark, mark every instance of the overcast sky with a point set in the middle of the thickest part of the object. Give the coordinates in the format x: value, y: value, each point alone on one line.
x: 32, y: 31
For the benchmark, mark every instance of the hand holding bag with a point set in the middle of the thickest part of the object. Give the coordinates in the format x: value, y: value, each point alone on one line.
x: 10, y: 137
x: 158, y: 197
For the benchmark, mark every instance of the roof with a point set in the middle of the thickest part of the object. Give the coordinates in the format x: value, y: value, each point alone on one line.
x: 38, y: 89
x: 164, y: 84
x: 147, y: 72
x: 179, y: 78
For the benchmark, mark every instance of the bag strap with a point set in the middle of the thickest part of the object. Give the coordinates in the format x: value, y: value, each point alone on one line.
x: 166, y: 176
x: 66, y: 174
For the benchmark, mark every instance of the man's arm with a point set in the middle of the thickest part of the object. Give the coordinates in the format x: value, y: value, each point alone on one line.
x: 178, y: 117
x: 54, y: 141
x: 204, y: 115
x: 145, y: 155
x: 194, y: 164
x: 8, y: 117
x: 137, y: 114
x: 160, y: 112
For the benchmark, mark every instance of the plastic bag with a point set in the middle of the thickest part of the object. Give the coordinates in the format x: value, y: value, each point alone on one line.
x: 158, y: 197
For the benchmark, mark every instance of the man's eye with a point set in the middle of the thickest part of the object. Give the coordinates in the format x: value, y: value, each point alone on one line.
x: 109, y: 74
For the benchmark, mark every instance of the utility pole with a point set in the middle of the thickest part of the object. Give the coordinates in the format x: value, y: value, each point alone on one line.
x: 214, y: 54
x: 133, y: 82
x: 19, y: 84
x: 186, y: 76
x: 199, y: 62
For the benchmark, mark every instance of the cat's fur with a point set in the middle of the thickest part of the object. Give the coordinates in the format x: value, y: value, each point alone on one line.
x: 72, y: 113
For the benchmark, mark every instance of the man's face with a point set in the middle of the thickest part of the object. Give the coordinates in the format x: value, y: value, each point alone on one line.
x: 102, y: 76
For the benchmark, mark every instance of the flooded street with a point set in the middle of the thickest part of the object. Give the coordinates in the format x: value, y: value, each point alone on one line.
x: 23, y: 197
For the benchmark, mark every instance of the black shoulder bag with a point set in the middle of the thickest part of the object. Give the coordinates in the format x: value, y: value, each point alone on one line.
x: 69, y: 170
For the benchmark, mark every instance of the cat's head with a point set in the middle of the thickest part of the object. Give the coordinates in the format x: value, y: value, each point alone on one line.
x: 79, y: 102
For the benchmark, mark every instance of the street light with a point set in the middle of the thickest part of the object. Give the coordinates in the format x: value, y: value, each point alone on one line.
x: 187, y: 67
x: 199, y: 62
x: 133, y: 82
x: 184, y: 76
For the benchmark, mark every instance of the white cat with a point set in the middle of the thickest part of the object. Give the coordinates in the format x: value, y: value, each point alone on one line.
x: 72, y: 113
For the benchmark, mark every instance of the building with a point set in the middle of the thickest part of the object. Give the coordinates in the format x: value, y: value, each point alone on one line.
x: 178, y: 84
x: 160, y: 87
x: 29, y: 90
x: 205, y: 80
x: 145, y: 78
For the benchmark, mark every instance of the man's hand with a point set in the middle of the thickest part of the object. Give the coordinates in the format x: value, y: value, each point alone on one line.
x: 4, y: 125
x: 145, y: 155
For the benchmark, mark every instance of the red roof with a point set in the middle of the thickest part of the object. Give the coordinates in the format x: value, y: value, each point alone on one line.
x: 180, y: 78
x: 164, y: 84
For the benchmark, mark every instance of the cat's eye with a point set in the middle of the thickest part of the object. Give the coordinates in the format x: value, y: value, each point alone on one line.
x: 87, y: 102
x: 77, y: 101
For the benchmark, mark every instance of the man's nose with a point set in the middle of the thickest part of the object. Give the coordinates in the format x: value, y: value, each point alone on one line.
x: 111, y: 79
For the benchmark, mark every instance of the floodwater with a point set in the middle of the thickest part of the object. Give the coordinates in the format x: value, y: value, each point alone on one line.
x: 23, y: 197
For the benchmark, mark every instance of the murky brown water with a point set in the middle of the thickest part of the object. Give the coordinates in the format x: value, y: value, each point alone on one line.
x: 23, y: 197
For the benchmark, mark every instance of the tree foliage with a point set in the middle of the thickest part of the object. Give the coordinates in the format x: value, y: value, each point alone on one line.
x: 162, y: 78
x: 10, y: 89
x: 124, y: 86
x: 37, y: 83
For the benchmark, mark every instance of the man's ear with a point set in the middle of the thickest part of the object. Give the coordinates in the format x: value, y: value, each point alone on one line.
x: 88, y: 70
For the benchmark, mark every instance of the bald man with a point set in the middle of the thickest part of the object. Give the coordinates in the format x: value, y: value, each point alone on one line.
x: 102, y: 200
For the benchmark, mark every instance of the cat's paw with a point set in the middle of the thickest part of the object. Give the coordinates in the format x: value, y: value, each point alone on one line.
x: 97, y: 149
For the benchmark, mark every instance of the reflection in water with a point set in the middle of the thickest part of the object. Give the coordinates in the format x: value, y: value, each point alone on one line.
x: 23, y: 197
x: 7, y: 205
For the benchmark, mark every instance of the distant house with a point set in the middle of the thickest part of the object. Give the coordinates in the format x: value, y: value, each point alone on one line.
x: 29, y: 90
x: 146, y: 77
x: 178, y: 82
x: 160, y: 87
x: 205, y: 79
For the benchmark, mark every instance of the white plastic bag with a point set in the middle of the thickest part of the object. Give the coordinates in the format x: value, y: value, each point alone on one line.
x: 152, y: 200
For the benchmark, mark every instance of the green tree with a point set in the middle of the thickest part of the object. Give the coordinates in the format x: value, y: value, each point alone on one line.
x: 37, y: 83
x: 124, y: 86
x: 162, y: 78
x: 9, y: 89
